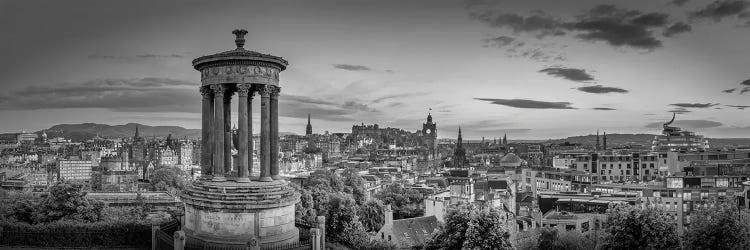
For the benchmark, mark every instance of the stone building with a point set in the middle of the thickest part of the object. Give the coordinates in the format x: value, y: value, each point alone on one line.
x: 231, y: 209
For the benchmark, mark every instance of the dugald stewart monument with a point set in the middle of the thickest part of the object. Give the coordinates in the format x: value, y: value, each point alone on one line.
x: 230, y: 206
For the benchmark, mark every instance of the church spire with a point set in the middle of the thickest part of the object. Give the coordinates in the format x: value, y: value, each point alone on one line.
x: 505, y: 139
x: 308, y: 130
x: 136, y: 133
x: 597, y: 139
x: 605, y: 140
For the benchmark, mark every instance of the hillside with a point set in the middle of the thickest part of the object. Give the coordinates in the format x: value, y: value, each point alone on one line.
x: 84, y: 131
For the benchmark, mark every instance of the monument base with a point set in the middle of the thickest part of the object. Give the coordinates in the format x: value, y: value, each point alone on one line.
x: 235, y: 214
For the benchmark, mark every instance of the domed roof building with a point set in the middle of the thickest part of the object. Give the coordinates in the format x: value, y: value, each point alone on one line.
x: 511, y: 160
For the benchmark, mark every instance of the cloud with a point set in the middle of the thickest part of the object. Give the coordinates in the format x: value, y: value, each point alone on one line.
x: 528, y: 104
x: 694, y: 105
x: 678, y: 2
x: 500, y: 41
x: 354, y: 105
x: 677, y: 28
x: 738, y: 106
x: 599, y: 89
x: 397, y: 96
x: 688, y: 124
x: 537, y: 23
x: 729, y: 90
x: 296, y: 106
x: 135, y: 57
x: 603, y: 108
x: 576, y: 75
x: 352, y: 67
x: 746, y: 89
x: 604, y: 23
x: 745, y: 82
x: 620, y: 27
x: 119, y: 95
x: 720, y: 9
x: 679, y: 111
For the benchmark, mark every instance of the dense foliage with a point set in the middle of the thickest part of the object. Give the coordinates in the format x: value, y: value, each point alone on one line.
x: 472, y: 227
x: 405, y: 202
x: 552, y: 239
x: 65, y: 218
x: 339, y: 199
x: 66, y: 201
x: 718, y: 227
x: 632, y: 227
x: 167, y: 179
x: 372, y: 216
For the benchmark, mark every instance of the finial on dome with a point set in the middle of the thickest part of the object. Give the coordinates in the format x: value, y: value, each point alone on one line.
x: 240, y: 40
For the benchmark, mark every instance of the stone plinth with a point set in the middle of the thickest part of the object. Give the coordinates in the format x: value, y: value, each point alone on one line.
x: 234, y: 213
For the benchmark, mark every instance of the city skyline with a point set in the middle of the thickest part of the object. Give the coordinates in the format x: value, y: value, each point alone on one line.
x: 531, y: 69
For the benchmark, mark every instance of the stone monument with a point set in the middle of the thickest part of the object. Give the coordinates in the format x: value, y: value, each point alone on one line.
x: 234, y: 210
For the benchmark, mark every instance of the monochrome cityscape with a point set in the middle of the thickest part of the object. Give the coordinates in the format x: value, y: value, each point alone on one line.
x: 476, y: 124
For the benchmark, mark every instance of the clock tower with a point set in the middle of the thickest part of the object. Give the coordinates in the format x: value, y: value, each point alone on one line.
x: 429, y: 136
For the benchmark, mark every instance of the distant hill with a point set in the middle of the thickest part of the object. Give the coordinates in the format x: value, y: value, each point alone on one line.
x: 646, y: 140
x: 85, y: 131
x: 612, y: 139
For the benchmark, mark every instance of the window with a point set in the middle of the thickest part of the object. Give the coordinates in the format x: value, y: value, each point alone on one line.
x: 674, y: 182
x: 389, y: 238
x: 686, y: 196
x: 382, y: 235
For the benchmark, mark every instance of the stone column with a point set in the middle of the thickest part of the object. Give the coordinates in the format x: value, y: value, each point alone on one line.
x: 274, y: 113
x: 265, y: 145
x: 228, y: 130
x: 206, y: 118
x: 218, y: 136
x: 242, y: 171
x: 250, y: 130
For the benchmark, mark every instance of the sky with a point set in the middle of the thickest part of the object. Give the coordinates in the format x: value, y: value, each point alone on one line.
x: 527, y: 68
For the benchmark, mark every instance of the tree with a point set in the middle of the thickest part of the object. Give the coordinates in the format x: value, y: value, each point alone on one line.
x: 632, y: 227
x: 470, y: 227
x: 371, y: 215
x: 66, y: 201
x: 171, y: 177
x: 406, y: 202
x: 354, y: 185
x: 718, y: 227
x: 552, y: 239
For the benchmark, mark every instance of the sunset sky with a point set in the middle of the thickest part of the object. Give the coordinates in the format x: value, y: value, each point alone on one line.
x: 531, y: 69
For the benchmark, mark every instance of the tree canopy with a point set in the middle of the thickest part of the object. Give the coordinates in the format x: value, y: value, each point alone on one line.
x: 632, y: 227
x: 406, y: 202
x: 718, y: 227
x: 471, y: 227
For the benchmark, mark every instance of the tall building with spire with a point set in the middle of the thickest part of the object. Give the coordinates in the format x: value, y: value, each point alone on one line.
x: 459, y: 154
x: 505, y: 139
x: 429, y: 137
x: 308, y: 129
x: 604, y: 141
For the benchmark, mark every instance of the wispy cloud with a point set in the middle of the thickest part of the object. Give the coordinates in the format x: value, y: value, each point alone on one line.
x: 729, y: 90
x: 352, y: 67
x: 573, y: 74
x: 721, y: 9
x: 694, y: 105
x: 119, y: 95
x: 599, y: 89
x: 528, y: 104
x: 603, y: 108
x: 689, y: 124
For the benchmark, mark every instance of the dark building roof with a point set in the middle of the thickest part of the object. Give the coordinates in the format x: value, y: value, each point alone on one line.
x: 497, y: 184
x: 414, y: 231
